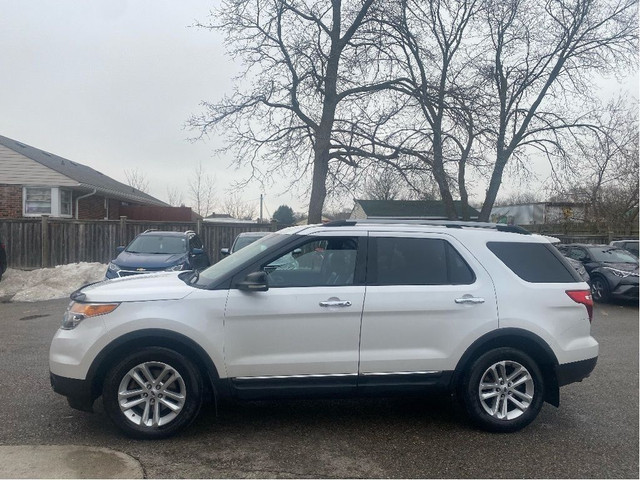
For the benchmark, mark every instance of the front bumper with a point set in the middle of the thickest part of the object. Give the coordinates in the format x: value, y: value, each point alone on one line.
x: 626, y: 290
x: 78, y: 392
x: 572, y: 372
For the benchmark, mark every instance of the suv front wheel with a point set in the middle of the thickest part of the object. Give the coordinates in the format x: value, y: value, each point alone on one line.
x: 153, y: 393
x: 503, y: 390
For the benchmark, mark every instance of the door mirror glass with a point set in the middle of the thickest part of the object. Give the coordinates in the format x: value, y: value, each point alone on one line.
x: 197, y: 251
x: 224, y: 251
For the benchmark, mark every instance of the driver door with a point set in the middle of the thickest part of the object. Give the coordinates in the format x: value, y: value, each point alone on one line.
x: 304, y: 331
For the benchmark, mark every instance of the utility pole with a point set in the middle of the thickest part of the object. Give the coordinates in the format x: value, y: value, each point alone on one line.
x: 260, y: 208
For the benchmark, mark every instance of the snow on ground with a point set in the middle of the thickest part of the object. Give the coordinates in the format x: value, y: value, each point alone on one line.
x: 49, y: 283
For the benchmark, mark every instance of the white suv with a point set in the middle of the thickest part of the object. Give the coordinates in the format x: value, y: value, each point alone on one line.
x: 488, y: 312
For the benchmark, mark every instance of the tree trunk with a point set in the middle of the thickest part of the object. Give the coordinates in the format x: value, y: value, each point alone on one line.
x: 321, y: 148
x: 496, y: 180
x: 440, y: 177
x: 319, y: 183
x: 464, y: 196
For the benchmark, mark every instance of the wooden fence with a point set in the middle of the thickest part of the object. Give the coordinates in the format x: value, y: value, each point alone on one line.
x: 47, y: 242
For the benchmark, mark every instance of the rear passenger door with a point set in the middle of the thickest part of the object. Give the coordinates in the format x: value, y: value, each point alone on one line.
x: 427, y: 300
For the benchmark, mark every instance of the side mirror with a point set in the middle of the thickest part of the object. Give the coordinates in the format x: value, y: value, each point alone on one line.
x: 296, y: 252
x: 254, y: 282
x: 224, y: 251
x: 119, y: 249
x: 197, y: 251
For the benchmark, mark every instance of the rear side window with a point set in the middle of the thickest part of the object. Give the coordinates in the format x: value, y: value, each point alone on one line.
x: 534, y: 262
x: 417, y: 261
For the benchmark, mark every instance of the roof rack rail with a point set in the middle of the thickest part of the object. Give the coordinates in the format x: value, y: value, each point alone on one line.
x: 429, y: 221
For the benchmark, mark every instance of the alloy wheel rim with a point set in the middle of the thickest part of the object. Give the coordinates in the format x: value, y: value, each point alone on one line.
x: 506, y: 390
x: 152, y: 394
x: 597, y: 289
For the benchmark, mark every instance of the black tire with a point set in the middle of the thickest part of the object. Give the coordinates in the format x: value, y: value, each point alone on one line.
x: 488, y: 412
x: 175, y: 382
x: 600, y: 291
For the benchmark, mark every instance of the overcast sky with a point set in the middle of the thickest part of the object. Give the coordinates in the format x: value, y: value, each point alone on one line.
x: 111, y: 83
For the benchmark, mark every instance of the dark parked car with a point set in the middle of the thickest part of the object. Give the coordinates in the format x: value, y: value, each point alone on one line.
x: 156, y: 251
x: 580, y: 269
x: 242, y: 240
x: 613, y: 271
x: 628, y: 245
x: 3, y: 259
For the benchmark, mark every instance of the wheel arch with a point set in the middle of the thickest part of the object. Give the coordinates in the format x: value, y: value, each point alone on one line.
x: 523, y: 340
x: 152, y: 338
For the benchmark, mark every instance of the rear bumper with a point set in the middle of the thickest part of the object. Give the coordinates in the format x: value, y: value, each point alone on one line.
x: 567, y: 373
x: 78, y: 392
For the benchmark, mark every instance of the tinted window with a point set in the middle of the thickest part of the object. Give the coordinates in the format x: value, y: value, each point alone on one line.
x: 534, y: 262
x: 320, y: 262
x: 417, y: 261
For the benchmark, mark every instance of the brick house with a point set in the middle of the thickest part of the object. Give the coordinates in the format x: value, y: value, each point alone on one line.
x: 35, y: 183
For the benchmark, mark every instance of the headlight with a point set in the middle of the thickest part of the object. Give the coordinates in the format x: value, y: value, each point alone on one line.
x: 79, y: 311
x: 620, y: 273
x: 113, y: 267
x: 175, y: 268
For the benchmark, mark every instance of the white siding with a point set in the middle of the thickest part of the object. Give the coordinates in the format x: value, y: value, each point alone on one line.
x: 16, y: 169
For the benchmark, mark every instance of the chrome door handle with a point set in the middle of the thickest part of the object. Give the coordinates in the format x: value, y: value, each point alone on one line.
x: 335, y: 303
x: 471, y: 300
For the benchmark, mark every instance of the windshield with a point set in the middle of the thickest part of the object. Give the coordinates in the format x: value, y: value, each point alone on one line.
x: 159, y: 244
x: 228, y: 264
x: 245, y: 240
x: 612, y: 255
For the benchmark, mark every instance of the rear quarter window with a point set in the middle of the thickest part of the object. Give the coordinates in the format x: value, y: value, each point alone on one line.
x: 534, y: 262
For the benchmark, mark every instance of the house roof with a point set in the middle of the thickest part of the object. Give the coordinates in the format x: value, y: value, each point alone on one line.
x: 410, y: 208
x: 87, y: 177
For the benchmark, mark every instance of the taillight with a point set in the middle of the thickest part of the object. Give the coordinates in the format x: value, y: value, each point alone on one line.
x: 583, y: 297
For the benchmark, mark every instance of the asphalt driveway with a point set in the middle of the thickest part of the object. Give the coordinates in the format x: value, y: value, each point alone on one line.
x: 593, y: 434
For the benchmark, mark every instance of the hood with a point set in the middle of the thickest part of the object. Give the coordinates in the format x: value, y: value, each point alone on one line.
x: 148, y: 260
x: 625, y: 267
x: 139, y: 288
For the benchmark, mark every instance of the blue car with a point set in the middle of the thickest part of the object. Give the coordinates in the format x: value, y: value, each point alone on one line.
x: 157, y: 251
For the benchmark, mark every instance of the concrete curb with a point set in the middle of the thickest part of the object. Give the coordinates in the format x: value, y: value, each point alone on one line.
x: 66, y: 461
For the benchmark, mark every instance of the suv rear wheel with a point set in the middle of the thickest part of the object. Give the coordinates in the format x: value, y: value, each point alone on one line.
x: 503, y: 390
x: 153, y: 393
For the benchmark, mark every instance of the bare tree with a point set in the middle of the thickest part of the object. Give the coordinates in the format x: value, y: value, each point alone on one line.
x: 175, y: 197
x: 234, y: 205
x: 137, y: 179
x: 429, y: 41
x: 393, y: 183
x: 201, y: 191
x: 542, y: 56
x: 604, y: 170
x: 307, y: 61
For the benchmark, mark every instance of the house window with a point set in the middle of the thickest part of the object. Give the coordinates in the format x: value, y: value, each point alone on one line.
x: 52, y: 201
x: 65, y: 202
x: 37, y: 201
